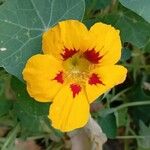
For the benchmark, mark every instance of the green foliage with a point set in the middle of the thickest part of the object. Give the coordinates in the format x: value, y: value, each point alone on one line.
x: 140, y: 112
x: 9, y: 143
x: 126, y: 54
x: 108, y: 125
x: 144, y: 131
x: 22, y: 23
x: 5, y: 104
x: 138, y: 6
x: 121, y: 117
x: 97, y: 4
x: 147, y: 47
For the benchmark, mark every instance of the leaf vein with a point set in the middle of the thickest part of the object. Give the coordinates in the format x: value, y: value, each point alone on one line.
x: 38, y: 14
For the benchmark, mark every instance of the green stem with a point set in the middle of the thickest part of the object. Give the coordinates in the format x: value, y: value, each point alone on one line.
x: 11, y: 137
x: 112, y: 110
x: 2, y: 139
x: 126, y: 132
x: 132, y: 104
x: 132, y: 137
x: 132, y: 132
x: 119, y: 94
x: 38, y: 137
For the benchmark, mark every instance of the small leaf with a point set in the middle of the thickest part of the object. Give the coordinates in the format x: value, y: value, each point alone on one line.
x: 144, y: 131
x: 108, y: 125
x: 141, y: 7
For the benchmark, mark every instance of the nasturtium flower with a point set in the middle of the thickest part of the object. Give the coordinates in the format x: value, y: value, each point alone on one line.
x: 76, y: 67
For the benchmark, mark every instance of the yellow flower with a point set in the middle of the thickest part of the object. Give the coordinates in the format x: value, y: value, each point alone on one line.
x: 77, y: 66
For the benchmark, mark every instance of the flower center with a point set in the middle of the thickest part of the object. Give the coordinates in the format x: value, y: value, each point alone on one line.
x: 77, y: 68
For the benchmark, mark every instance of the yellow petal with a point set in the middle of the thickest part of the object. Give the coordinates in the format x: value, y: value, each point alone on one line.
x: 69, y: 112
x: 66, y: 34
x: 108, y: 77
x: 40, y: 73
x: 105, y: 39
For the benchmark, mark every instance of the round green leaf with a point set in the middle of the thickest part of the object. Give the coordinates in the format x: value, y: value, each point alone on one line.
x: 141, y: 7
x: 22, y: 23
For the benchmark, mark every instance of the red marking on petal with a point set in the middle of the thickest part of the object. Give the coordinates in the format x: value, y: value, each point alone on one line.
x: 75, y: 88
x: 92, y: 56
x: 94, y: 79
x: 68, y: 53
x: 59, y: 77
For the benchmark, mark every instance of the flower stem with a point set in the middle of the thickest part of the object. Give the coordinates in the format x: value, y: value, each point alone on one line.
x: 132, y: 137
x: 119, y: 94
x: 11, y: 137
x: 132, y: 104
x: 112, y: 110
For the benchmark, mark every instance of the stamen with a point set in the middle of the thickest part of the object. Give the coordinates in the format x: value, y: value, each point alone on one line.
x: 77, y: 76
x: 77, y: 68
